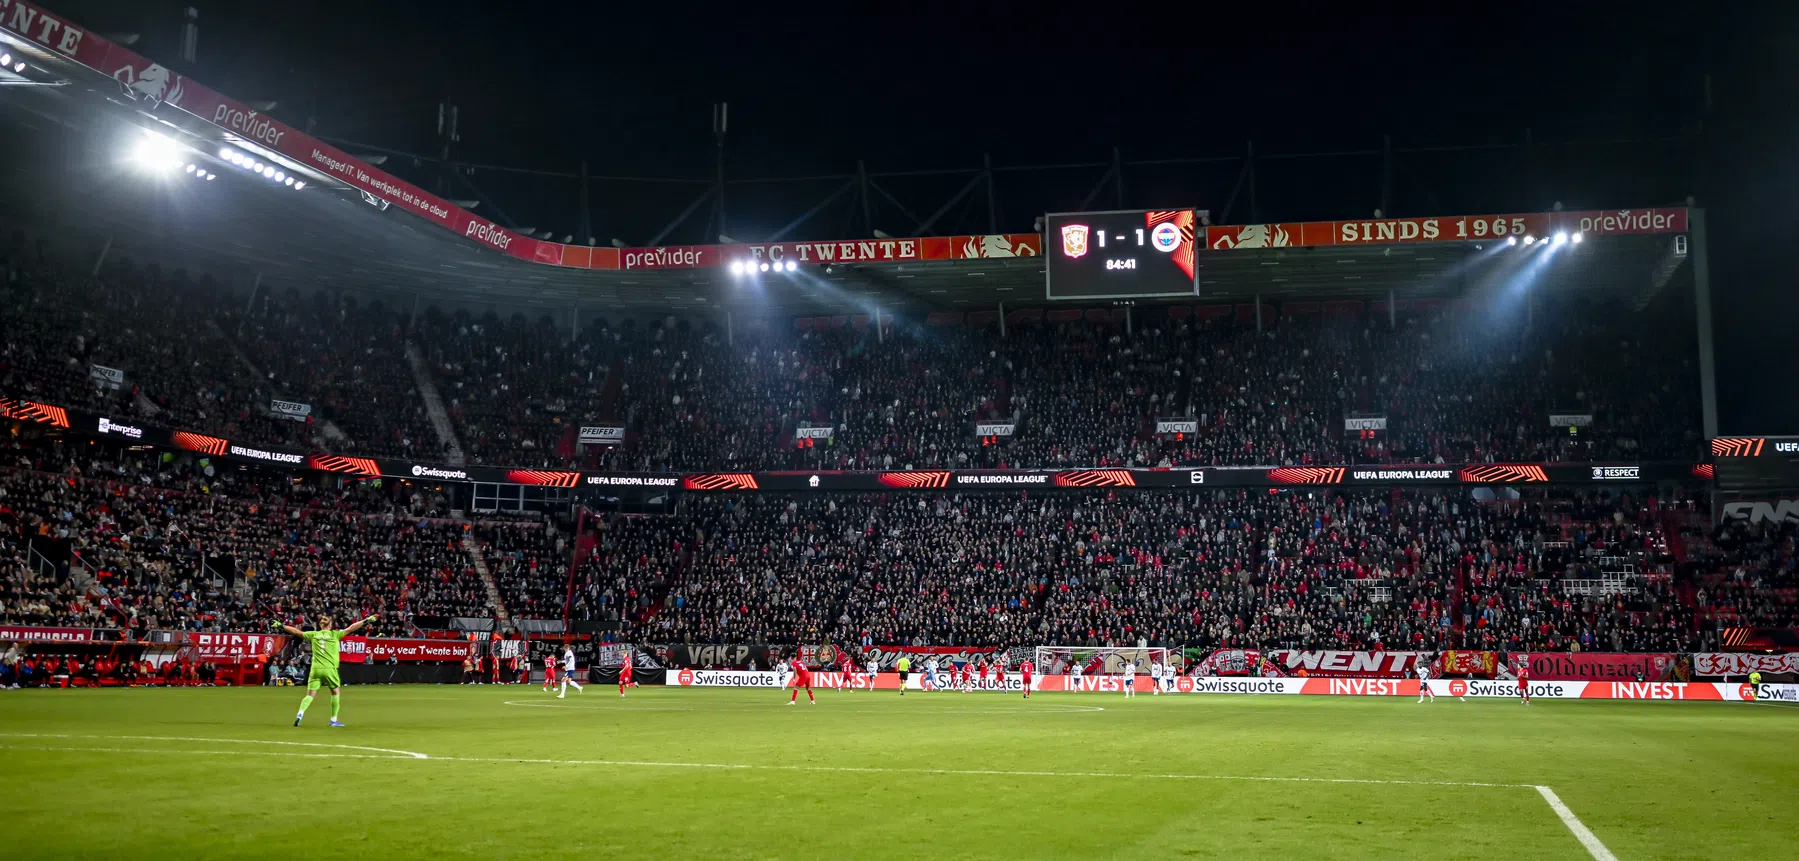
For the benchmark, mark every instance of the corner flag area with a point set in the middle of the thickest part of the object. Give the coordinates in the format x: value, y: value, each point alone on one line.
x: 509, y: 772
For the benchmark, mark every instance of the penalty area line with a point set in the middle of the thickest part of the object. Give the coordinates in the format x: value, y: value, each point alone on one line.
x: 1580, y: 830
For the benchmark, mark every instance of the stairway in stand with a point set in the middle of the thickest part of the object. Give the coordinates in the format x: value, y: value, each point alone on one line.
x: 479, y: 559
x: 434, y: 406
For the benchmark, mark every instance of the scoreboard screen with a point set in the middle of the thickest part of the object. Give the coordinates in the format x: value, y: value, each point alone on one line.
x: 1121, y: 255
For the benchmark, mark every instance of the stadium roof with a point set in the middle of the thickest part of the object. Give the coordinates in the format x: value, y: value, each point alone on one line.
x: 338, y: 234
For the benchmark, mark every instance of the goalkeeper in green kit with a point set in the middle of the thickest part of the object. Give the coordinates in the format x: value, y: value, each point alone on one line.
x: 324, y: 662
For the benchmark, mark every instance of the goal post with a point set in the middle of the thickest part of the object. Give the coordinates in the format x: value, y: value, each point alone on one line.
x: 1100, y: 660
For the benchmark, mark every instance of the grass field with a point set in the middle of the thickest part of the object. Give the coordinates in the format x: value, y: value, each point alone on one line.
x: 456, y: 772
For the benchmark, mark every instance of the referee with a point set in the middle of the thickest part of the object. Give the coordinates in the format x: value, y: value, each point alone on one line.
x: 905, y: 668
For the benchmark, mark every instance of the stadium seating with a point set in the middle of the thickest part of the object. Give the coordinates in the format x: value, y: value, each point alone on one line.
x: 1456, y: 385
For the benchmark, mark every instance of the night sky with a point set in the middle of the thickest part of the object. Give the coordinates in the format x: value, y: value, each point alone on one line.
x: 629, y: 89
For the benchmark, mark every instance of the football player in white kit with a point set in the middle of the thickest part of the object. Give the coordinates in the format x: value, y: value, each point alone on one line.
x: 782, y: 674
x: 1424, y: 680
x: 1074, y: 674
x: 1155, y: 678
x: 568, y: 672
x: 930, y: 673
x: 874, y: 672
x: 1130, y: 679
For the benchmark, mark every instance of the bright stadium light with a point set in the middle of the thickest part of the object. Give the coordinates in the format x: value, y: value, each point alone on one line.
x: 1529, y: 239
x: 227, y: 153
x: 1575, y: 238
x: 279, y: 176
x: 5, y: 59
x: 269, y: 171
x: 792, y: 266
x: 156, y: 151
x: 299, y: 185
x: 763, y: 267
x: 290, y: 180
x: 189, y: 168
x: 1511, y: 240
x: 1561, y: 237
x: 19, y: 66
x: 211, y: 176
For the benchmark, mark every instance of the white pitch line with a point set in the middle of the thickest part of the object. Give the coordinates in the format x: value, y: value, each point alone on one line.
x: 413, y: 754
x: 1581, y: 832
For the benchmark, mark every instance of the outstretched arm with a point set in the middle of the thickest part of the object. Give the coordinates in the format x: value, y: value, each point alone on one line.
x: 358, y: 626
x: 293, y: 630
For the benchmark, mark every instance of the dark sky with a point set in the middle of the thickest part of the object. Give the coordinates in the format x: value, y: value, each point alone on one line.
x: 628, y: 88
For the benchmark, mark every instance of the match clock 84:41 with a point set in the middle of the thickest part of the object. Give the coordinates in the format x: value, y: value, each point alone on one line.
x: 1121, y: 255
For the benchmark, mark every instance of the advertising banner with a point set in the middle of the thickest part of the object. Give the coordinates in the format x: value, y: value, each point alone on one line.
x: 720, y: 656
x: 18, y: 633
x: 357, y: 650
x: 1469, y: 228
x: 724, y: 679
x: 814, y: 432
x: 1362, y: 423
x: 601, y: 435
x: 995, y: 428
x: 1743, y: 663
x: 290, y: 410
x: 106, y: 379
x: 1188, y: 426
x: 1570, y: 420
x: 108, y: 427
x: 1600, y: 666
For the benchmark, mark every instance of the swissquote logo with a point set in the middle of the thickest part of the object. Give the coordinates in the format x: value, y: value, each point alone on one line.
x: 434, y: 472
x: 686, y: 677
x: 154, y: 84
x: 1458, y: 687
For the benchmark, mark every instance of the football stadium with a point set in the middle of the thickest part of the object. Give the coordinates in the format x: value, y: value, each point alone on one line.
x: 1359, y: 503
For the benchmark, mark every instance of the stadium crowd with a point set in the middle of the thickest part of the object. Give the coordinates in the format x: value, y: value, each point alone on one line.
x: 1457, y: 384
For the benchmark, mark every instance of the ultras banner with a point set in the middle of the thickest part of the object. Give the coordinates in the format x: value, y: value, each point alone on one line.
x: 1743, y: 663
x: 357, y: 650
x: 1600, y: 666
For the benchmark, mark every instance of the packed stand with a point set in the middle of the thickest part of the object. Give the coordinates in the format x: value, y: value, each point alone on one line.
x: 167, y: 543
x: 1215, y: 569
x: 529, y: 562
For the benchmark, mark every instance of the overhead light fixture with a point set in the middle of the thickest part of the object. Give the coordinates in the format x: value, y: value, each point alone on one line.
x: 1575, y: 238
x: 227, y: 153
x: 279, y: 176
x: 1511, y: 240
x: 1561, y: 237
x: 1529, y: 239
x: 289, y: 180
x: 5, y: 59
x: 299, y: 184
x: 763, y: 267
x: 792, y: 266
x: 19, y: 66
x: 189, y: 168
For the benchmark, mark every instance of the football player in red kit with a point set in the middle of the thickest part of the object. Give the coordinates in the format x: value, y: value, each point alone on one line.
x: 1024, y: 668
x: 1524, y: 682
x: 802, y: 677
x: 985, y: 667
x: 624, y: 675
x: 549, y: 673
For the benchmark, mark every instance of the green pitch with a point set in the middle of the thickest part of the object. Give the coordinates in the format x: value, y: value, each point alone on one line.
x: 469, y: 773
